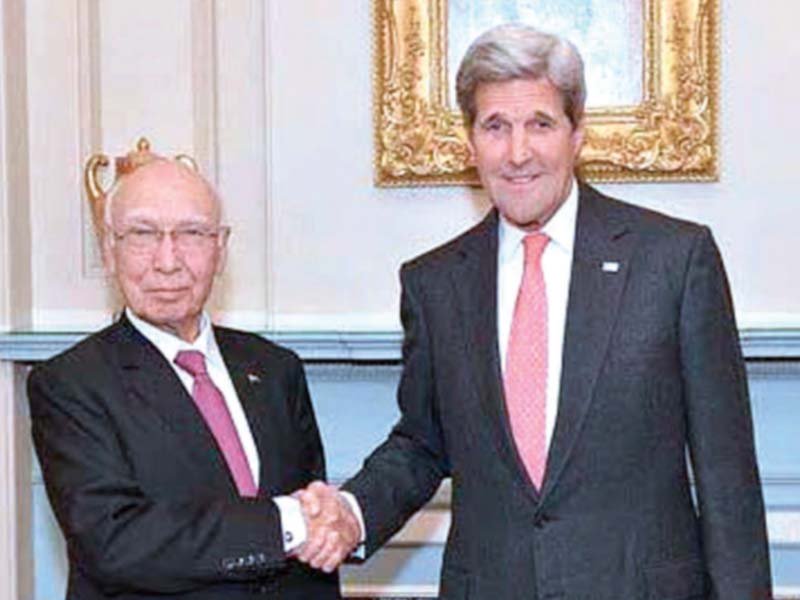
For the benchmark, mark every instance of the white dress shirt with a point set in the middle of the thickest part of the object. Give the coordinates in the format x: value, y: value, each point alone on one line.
x: 556, y: 268
x: 169, y: 345
x: 292, y: 523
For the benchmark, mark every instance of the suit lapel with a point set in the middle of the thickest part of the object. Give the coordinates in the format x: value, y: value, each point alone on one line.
x: 250, y: 377
x: 603, y: 237
x: 149, y: 379
x: 474, y: 281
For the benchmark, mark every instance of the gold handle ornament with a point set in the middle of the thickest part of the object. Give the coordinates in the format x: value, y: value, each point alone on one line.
x: 96, y: 193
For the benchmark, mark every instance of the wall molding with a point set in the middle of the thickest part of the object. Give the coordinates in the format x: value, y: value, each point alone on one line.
x: 770, y: 343
x: 386, y: 346
x: 90, y: 134
x: 204, y: 87
x: 327, y: 346
x: 16, y: 554
x: 90, y: 103
x: 379, y: 592
x: 16, y: 277
x: 268, y: 143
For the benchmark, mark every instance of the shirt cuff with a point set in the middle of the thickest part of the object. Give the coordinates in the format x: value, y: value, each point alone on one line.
x: 360, y: 551
x: 293, y: 525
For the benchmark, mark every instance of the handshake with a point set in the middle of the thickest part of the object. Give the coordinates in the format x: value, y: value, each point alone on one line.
x: 332, y: 529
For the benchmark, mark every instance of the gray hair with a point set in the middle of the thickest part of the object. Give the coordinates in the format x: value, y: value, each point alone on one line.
x: 516, y: 51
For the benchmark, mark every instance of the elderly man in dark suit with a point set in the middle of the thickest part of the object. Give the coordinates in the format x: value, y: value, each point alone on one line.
x: 561, y: 361
x: 168, y: 444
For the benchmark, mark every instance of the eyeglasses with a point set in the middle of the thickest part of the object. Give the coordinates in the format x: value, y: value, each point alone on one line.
x: 146, y: 240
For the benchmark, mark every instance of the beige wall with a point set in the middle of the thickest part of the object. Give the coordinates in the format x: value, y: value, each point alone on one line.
x: 274, y: 99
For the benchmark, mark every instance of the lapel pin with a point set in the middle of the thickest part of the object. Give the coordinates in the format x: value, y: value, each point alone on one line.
x: 610, y: 266
x: 253, y: 378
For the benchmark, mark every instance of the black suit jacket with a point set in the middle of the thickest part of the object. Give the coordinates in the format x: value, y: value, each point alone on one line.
x: 143, y: 495
x: 651, y: 370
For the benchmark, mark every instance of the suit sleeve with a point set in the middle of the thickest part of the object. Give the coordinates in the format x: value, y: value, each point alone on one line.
x: 721, y: 432
x: 404, y: 472
x: 313, y: 459
x: 123, y: 538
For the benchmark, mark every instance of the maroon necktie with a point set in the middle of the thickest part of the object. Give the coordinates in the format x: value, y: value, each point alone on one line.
x: 525, y: 378
x: 211, y: 404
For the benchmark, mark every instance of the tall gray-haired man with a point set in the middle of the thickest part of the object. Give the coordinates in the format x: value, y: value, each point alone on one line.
x: 561, y: 359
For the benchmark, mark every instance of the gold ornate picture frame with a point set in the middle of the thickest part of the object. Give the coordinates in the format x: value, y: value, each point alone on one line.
x: 671, y: 135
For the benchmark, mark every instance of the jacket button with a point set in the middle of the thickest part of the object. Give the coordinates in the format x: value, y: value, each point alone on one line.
x: 541, y: 521
x: 228, y: 565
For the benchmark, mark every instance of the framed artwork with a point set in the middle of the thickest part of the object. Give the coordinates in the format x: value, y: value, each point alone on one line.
x: 651, y: 72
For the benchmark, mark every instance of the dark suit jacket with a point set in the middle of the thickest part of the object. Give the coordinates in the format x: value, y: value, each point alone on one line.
x: 651, y: 369
x: 144, y: 498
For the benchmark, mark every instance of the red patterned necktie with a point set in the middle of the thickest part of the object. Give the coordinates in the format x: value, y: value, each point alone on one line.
x: 211, y: 404
x: 525, y: 378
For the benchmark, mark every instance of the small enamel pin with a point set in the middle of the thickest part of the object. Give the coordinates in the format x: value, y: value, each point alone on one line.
x: 610, y: 266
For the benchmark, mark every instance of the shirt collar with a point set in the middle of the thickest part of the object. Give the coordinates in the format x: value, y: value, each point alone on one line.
x: 169, y: 345
x: 560, y: 228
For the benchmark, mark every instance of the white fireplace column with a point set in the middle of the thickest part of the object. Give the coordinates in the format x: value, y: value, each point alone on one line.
x: 16, y: 558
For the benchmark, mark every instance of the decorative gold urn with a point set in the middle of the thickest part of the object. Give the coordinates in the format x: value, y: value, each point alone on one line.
x: 123, y: 165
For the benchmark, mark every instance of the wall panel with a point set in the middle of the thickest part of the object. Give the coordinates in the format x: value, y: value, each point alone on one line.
x: 274, y: 98
x: 102, y: 74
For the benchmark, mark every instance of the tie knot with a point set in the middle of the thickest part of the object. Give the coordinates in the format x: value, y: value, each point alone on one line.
x: 192, y: 361
x: 535, y: 244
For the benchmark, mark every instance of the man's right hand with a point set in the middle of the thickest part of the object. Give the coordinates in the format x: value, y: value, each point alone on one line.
x: 333, y: 531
